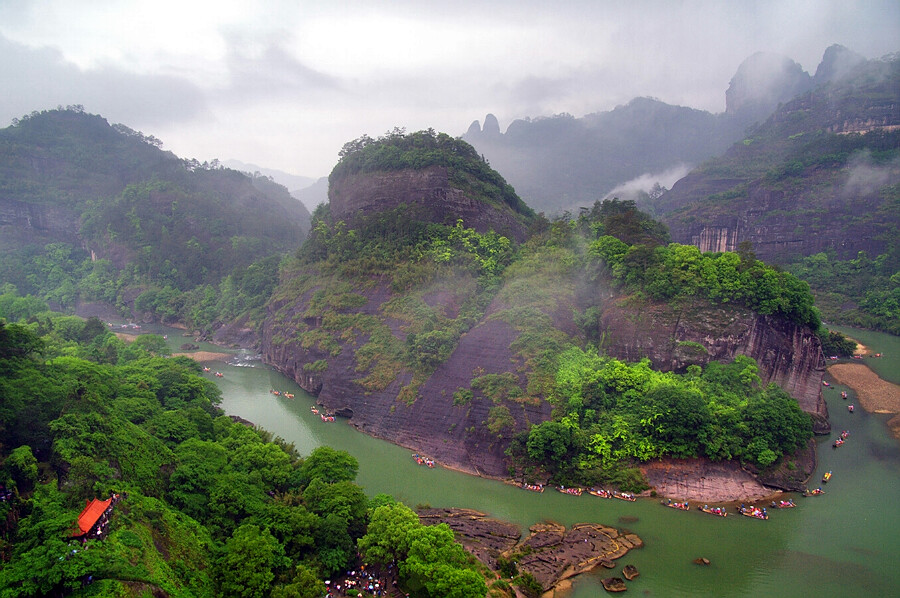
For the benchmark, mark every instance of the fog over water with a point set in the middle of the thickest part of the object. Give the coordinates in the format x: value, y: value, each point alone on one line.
x: 286, y: 84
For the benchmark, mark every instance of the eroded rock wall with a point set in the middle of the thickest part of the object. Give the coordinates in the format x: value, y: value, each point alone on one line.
x: 32, y: 219
x: 428, y: 192
x: 454, y: 435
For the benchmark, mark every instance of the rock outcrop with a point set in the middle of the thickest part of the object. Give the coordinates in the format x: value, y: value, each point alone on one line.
x: 804, y: 181
x: 761, y: 82
x: 551, y: 553
x: 703, y: 480
x: 453, y: 434
x: 40, y: 220
x: 428, y: 193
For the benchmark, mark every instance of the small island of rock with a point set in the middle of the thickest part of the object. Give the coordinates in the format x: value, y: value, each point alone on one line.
x: 551, y: 553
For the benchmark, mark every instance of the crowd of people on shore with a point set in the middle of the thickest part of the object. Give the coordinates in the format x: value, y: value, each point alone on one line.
x: 364, y: 582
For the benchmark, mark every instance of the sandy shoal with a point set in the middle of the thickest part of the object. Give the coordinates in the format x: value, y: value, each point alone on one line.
x: 875, y: 394
x: 204, y: 356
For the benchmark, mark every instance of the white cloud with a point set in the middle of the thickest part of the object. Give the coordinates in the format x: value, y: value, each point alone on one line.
x: 285, y: 83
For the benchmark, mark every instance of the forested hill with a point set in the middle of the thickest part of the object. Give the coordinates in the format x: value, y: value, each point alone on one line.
x: 462, y: 344
x: 93, y: 211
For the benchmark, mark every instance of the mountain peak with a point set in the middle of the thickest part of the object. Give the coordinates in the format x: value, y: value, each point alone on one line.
x: 837, y: 62
x: 763, y: 81
x: 491, y: 126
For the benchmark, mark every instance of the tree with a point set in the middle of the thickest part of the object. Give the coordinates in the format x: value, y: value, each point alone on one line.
x: 18, y: 341
x: 387, y: 537
x: 437, y: 566
x: 550, y: 442
x: 246, y: 568
x: 292, y: 525
x: 23, y: 467
x: 674, y: 416
x: 265, y: 463
x: 200, y: 464
x: 334, y: 545
x: 330, y: 465
x: 305, y: 584
x: 344, y: 499
x: 44, y: 563
x: 152, y: 343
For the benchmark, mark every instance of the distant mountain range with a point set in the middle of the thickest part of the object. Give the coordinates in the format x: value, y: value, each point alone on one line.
x: 562, y: 163
x: 821, y: 174
x: 311, y: 192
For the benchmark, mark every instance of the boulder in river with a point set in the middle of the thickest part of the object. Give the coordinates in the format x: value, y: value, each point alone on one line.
x: 630, y: 572
x: 614, y: 584
x: 701, y: 561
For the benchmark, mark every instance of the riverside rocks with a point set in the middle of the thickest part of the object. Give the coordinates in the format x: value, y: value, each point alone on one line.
x: 551, y: 553
x: 703, y: 480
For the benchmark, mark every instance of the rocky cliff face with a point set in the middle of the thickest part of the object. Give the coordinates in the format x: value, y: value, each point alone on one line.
x: 761, y: 82
x: 830, y: 214
x: 808, y: 180
x: 456, y: 434
x: 428, y: 192
x: 42, y: 220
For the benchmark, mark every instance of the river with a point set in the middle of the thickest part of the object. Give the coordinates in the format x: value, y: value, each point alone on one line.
x: 844, y: 543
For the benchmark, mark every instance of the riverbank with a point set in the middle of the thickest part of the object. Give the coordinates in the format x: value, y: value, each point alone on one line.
x: 875, y: 394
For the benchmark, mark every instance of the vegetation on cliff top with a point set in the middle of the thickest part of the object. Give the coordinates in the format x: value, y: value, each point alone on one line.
x: 399, y: 150
x: 210, y: 507
x: 609, y: 413
x: 678, y: 272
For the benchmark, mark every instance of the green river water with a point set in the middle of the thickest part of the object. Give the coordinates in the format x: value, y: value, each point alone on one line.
x: 845, y: 543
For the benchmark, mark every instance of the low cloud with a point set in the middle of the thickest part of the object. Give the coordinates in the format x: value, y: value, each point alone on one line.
x: 270, y: 72
x: 36, y: 79
x: 645, y: 182
x: 866, y: 177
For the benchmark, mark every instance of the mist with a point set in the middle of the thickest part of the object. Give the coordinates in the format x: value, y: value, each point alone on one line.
x: 867, y: 177
x: 645, y: 182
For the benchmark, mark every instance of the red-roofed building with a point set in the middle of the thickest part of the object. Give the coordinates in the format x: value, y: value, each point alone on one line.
x: 93, y: 519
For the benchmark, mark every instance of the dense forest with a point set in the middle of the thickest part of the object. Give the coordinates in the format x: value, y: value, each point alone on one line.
x: 206, y: 506
x: 863, y: 292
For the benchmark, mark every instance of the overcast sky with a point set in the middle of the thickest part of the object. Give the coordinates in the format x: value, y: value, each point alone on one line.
x: 285, y: 84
